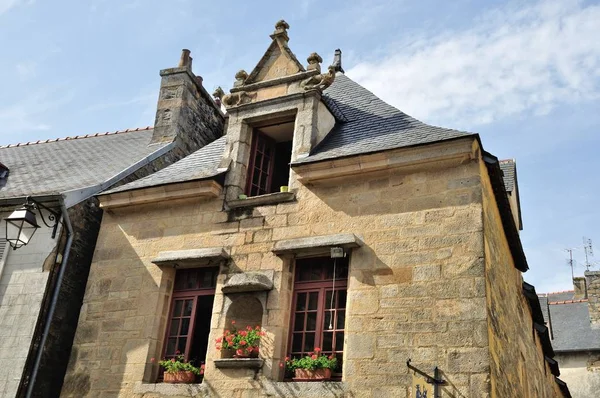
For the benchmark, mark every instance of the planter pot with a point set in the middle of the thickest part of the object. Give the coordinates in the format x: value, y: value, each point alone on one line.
x: 284, y: 188
x: 312, y: 375
x: 183, y: 376
x: 246, y: 354
x: 227, y: 353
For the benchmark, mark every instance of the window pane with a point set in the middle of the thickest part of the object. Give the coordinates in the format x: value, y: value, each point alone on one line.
x: 187, y: 309
x: 313, y: 300
x: 339, y: 341
x: 191, y: 280
x: 328, y: 303
x: 181, y: 344
x: 174, y: 330
x: 301, y: 302
x: 341, y: 299
x: 185, y: 325
x: 178, y: 307
x: 171, y: 344
x: 311, y: 321
x: 258, y: 161
x: 327, y: 320
x: 309, y: 342
x: 316, y: 273
x: 299, y: 322
x: 341, y: 319
x: 327, y: 341
x: 297, y: 342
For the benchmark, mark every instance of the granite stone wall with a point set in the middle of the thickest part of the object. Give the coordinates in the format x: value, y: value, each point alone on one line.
x: 416, y: 288
x: 516, y: 360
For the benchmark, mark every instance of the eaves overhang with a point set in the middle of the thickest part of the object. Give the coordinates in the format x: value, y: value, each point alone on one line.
x: 189, y: 189
x: 508, y: 221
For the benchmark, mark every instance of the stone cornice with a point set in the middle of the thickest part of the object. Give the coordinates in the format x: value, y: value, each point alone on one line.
x: 190, y: 189
x: 274, y: 82
x: 439, y: 155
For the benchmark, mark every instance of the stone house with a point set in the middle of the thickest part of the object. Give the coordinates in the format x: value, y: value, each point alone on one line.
x: 573, y: 319
x: 249, y: 228
x: 42, y: 283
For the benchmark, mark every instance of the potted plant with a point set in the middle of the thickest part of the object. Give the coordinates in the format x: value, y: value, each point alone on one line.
x: 177, y: 370
x: 312, y: 367
x: 243, y: 343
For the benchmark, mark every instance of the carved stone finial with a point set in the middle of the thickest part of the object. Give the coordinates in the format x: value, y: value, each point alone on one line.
x: 218, y: 93
x: 185, y: 61
x: 320, y: 82
x: 282, y: 25
x: 240, y: 78
x: 280, y: 33
x: 314, y: 60
x: 237, y: 98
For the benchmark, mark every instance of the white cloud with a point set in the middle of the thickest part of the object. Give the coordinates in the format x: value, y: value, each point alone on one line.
x: 6, y: 5
x: 510, y: 61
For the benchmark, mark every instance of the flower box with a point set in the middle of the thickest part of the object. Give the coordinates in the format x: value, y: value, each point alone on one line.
x: 182, y: 376
x: 312, y: 375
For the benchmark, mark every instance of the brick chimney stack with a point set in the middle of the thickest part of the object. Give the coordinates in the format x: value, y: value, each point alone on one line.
x: 186, y: 113
x: 592, y: 279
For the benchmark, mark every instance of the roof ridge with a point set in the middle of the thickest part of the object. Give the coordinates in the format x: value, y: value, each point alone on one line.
x: 568, y: 301
x: 558, y: 292
x: 77, y: 137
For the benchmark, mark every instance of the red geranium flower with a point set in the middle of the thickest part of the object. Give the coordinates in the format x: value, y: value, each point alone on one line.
x: 243, y: 342
x: 152, y: 359
x: 314, y: 356
x: 233, y: 322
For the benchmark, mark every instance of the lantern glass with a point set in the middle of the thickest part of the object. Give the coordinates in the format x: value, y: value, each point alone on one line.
x: 20, y: 227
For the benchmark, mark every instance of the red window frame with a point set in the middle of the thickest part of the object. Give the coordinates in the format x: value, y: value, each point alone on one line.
x: 260, y: 168
x: 190, y: 284
x: 316, y: 311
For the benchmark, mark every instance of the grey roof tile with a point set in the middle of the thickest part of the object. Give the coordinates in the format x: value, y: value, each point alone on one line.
x: 509, y: 169
x: 367, y: 124
x: 199, y: 165
x: 54, y: 167
x: 571, y: 327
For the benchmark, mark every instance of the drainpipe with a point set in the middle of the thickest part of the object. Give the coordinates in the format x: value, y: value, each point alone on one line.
x: 61, y: 273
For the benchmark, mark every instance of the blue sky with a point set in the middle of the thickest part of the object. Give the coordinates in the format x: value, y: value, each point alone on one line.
x: 523, y: 74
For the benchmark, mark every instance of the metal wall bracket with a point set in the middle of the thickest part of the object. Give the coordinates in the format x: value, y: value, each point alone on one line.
x: 436, y: 380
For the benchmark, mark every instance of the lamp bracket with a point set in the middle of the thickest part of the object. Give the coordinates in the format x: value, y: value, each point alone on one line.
x: 53, y: 216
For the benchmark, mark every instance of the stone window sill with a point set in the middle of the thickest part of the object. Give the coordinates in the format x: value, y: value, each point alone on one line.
x: 262, y: 200
x: 171, y: 389
x: 237, y: 363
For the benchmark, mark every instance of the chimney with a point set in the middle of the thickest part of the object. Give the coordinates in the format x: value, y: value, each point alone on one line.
x: 580, y: 288
x: 186, y: 113
x: 337, y: 61
x: 592, y: 279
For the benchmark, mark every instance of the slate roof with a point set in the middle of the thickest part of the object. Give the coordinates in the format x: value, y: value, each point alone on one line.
x: 201, y: 164
x: 560, y: 296
x: 509, y: 169
x: 57, y: 166
x: 368, y: 124
x: 571, y: 327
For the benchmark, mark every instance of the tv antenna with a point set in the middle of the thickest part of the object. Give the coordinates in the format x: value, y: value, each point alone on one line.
x: 589, y: 252
x: 570, y: 261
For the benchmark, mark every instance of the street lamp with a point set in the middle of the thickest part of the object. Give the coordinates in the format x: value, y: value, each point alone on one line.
x: 22, y: 223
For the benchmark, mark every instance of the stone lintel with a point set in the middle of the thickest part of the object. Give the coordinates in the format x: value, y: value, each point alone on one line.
x: 274, y: 82
x: 248, y: 282
x: 262, y: 200
x: 316, y: 243
x: 291, y: 98
x: 190, y: 189
x: 439, y: 155
x: 191, y: 258
x: 237, y: 363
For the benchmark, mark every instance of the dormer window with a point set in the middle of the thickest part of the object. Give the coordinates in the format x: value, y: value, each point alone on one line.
x: 270, y: 157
